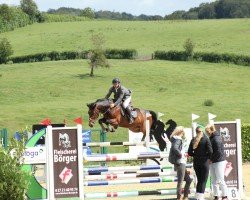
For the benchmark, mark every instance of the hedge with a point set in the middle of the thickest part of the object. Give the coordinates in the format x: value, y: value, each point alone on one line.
x: 245, y: 138
x: 225, y: 57
x: 170, y: 55
x: 63, y: 18
x: 120, y: 53
x: 49, y: 56
x: 203, y: 56
x: 72, y: 55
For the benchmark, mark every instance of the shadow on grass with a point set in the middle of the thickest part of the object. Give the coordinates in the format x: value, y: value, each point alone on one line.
x: 84, y: 76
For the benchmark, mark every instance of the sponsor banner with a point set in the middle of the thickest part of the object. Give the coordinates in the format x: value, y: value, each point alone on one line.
x: 65, y: 163
x: 34, y: 155
x: 231, y: 138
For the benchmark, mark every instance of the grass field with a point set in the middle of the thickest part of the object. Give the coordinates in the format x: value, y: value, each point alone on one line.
x: 33, y: 91
x: 230, y: 36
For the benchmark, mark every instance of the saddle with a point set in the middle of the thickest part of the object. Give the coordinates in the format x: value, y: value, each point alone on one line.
x: 133, y: 111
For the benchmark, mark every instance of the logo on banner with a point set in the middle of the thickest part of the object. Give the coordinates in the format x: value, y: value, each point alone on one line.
x: 64, y: 140
x: 225, y: 134
x: 228, y: 168
x: 66, y: 175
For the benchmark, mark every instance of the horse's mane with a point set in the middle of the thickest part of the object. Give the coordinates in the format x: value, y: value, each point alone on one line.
x: 101, y: 100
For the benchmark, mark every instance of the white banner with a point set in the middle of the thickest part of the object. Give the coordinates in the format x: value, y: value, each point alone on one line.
x: 34, y: 155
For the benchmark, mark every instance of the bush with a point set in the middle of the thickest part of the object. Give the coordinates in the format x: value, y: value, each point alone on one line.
x: 5, y: 50
x: 13, y: 181
x: 11, y: 18
x: 245, y: 131
x: 208, y: 102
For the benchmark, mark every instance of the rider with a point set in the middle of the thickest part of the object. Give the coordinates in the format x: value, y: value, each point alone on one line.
x: 121, y: 95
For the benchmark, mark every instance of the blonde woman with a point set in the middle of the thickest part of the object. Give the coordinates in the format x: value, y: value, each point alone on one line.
x: 177, y: 156
x: 217, y: 163
x: 200, y: 149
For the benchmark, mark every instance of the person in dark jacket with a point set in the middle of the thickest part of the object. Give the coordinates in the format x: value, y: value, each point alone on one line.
x: 122, y: 96
x: 177, y: 156
x: 217, y: 163
x: 200, y: 149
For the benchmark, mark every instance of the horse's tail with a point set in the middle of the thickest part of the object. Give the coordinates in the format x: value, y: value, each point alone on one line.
x: 157, y: 130
x: 154, y: 118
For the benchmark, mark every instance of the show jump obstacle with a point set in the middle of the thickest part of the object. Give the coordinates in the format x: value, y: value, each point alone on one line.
x: 67, y: 177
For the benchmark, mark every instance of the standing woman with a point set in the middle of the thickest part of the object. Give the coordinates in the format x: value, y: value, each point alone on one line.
x: 177, y: 156
x: 217, y: 163
x: 200, y: 149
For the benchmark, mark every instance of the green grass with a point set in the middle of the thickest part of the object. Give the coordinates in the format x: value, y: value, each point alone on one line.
x: 223, y: 36
x: 31, y: 92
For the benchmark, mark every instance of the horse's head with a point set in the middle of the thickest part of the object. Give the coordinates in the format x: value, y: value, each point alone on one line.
x: 93, y: 113
x: 100, y: 106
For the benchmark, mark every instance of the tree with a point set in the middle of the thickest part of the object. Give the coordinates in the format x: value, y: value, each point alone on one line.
x: 30, y: 8
x: 207, y: 11
x: 189, y: 48
x: 88, y: 12
x: 97, y: 55
x: 175, y: 15
x: 5, y: 50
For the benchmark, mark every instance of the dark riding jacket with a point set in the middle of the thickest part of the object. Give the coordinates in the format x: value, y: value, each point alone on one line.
x: 203, y: 152
x: 120, y: 94
x: 218, y: 148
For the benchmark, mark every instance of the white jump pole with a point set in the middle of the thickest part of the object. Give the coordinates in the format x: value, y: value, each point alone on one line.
x: 239, y: 156
x: 147, y: 138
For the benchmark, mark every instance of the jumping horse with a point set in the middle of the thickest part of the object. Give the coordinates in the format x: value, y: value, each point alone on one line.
x: 116, y: 118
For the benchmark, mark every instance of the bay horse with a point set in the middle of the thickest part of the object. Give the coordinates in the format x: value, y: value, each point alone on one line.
x: 115, y: 118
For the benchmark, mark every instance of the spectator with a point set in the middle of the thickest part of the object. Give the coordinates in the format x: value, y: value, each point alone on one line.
x: 217, y: 163
x: 200, y: 149
x: 177, y: 156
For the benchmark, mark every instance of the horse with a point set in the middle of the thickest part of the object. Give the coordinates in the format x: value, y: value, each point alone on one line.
x: 115, y: 118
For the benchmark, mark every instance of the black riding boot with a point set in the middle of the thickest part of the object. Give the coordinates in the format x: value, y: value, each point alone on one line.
x: 129, y: 111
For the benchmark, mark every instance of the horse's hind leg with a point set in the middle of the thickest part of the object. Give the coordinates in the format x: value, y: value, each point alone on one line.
x: 143, y: 137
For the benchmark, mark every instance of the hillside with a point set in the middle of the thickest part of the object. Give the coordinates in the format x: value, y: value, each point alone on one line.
x: 229, y: 36
x: 60, y: 90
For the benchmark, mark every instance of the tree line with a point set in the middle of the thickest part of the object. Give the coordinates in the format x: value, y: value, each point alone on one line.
x: 215, y: 10
x: 12, y: 17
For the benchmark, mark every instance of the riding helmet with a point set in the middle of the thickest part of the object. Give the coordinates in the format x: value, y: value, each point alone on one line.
x: 115, y: 80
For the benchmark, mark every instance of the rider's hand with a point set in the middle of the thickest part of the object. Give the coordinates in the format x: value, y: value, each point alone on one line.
x: 112, y: 105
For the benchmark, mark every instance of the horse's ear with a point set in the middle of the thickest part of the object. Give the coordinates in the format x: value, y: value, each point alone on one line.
x: 91, y: 105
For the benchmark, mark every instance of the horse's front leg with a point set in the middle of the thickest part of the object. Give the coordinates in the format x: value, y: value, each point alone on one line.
x: 113, y: 123
x: 101, y: 122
